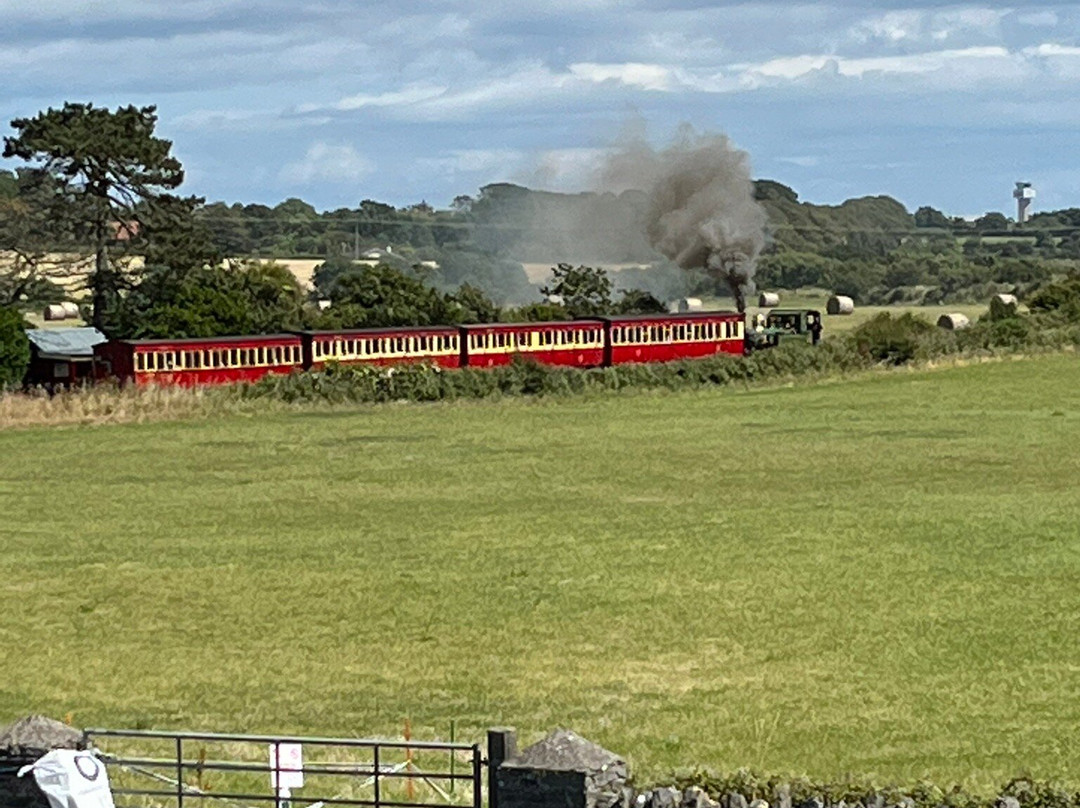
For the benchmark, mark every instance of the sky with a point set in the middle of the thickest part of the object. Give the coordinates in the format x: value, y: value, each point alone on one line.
x: 424, y: 100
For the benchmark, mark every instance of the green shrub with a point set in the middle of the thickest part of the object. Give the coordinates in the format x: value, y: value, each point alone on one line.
x: 14, y: 348
x: 895, y: 340
x: 1061, y: 298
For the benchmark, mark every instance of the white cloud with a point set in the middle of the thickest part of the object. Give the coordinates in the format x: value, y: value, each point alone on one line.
x: 804, y: 161
x: 967, y: 64
x: 632, y: 74
x: 413, y: 94
x: 327, y: 163
x: 922, y: 25
x: 892, y: 27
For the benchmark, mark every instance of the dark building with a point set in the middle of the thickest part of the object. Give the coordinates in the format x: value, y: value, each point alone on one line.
x: 62, y: 357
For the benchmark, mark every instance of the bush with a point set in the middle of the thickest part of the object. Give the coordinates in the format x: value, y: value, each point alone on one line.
x: 14, y: 348
x: 1061, y: 298
x: 894, y: 340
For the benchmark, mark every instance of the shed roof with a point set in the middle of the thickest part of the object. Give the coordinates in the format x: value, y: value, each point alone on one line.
x: 65, y: 341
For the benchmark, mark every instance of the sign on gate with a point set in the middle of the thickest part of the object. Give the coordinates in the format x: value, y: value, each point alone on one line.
x: 286, y: 767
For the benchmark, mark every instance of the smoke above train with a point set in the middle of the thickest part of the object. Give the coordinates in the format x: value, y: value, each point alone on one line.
x: 701, y: 211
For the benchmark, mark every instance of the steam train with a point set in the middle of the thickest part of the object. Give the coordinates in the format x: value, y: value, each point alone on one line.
x: 592, y: 342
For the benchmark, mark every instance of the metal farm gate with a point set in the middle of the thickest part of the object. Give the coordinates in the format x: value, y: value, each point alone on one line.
x: 212, y: 770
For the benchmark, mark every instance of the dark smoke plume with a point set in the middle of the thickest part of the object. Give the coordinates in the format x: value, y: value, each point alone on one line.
x: 701, y: 208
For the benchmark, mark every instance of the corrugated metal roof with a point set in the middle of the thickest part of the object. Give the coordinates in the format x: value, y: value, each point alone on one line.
x: 65, y: 341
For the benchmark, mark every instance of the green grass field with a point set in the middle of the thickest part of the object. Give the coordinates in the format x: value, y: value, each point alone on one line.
x: 878, y: 576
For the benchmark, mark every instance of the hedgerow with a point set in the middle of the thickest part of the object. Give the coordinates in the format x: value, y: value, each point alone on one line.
x: 883, y: 340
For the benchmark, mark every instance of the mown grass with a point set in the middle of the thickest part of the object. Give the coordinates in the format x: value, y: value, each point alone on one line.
x: 879, y: 576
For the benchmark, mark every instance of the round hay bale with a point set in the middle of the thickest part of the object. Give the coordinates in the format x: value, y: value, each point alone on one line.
x: 1002, y: 306
x: 71, y: 310
x: 767, y: 300
x: 953, y: 321
x: 685, y: 304
x: 840, y: 304
x: 54, y: 312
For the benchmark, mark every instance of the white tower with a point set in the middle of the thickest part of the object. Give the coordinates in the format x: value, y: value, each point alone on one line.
x: 1023, y: 195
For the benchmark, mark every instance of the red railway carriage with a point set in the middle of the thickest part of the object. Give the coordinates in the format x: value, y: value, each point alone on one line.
x: 201, y: 361
x: 665, y: 337
x: 440, y: 345
x: 579, y: 343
